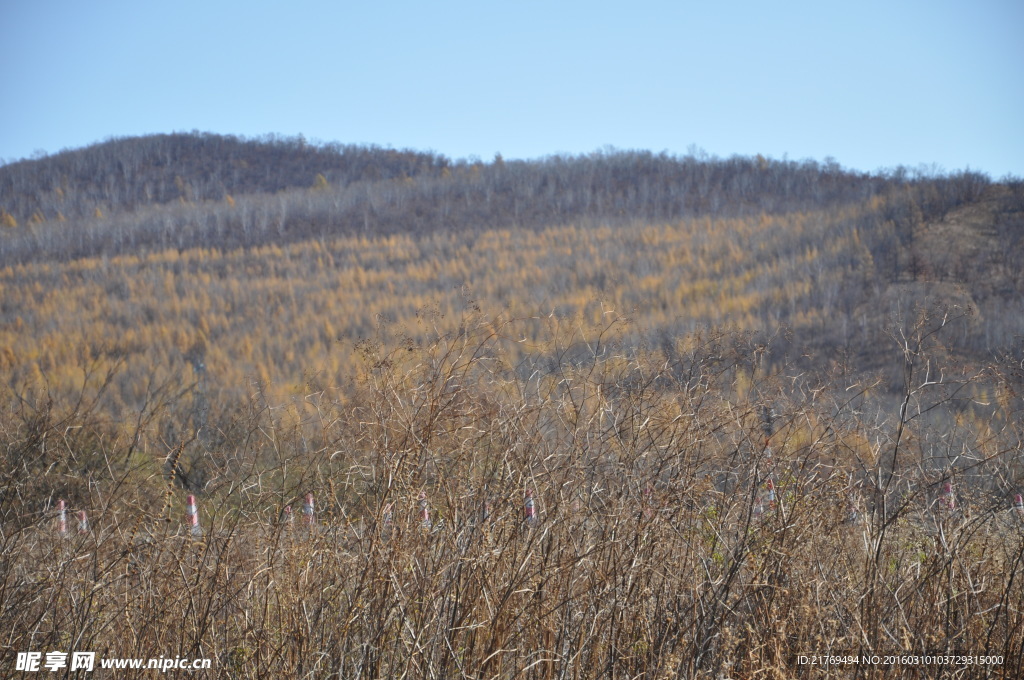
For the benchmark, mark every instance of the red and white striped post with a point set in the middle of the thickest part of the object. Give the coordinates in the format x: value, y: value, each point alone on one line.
x: 529, y: 509
x: 308, y: 511
x: 1018, y: 505
x: 62, y: 519
x: 192, y: 515
x: 770, y: 494
x: 83, y: 522
x: 947, y: 500
x: 425, y: 522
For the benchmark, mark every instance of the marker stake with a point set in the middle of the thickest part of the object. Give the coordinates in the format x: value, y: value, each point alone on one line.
x: 62, y: 519
x: 192, y: 515
x: 529, y: 509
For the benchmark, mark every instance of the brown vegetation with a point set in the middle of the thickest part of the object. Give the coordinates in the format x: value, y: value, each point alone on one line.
x: 650, y: 557
x: 641, y: 342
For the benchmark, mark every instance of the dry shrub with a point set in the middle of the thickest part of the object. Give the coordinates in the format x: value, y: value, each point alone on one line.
x: 656, y: 550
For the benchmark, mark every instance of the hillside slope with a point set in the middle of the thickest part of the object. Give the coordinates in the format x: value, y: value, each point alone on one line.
x: 130, y: 174
x: 277, y: 282
x: 505, y: 396
x: 133, y: 196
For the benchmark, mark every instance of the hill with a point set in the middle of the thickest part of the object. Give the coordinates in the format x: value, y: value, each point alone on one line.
x: 130, y: 174
x: 275, y: 259
x: 173, y: 191
x: 622, y: 410
x: 202, y: 234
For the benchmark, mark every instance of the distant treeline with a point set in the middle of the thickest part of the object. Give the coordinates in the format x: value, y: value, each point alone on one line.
x: 186, y: 191
x: 133, y: 173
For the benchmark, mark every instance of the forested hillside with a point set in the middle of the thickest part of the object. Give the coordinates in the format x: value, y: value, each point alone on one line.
x: 277, y: 256
x: 623, y: 411
x: 208, y: 191
x: 134, y: 173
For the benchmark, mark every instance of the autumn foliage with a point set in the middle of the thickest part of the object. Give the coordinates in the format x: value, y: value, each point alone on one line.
x: 761, y: 409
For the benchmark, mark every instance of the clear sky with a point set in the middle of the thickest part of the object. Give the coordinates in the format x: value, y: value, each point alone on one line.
x: 872, y: 84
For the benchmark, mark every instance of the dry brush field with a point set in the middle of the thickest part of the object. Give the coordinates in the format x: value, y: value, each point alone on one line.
x: 708, y: 515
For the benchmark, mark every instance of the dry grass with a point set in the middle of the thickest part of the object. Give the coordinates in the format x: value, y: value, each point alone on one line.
x: 650, y: 557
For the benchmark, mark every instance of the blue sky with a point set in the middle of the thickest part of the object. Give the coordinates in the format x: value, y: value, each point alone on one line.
x: 871, y: 84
